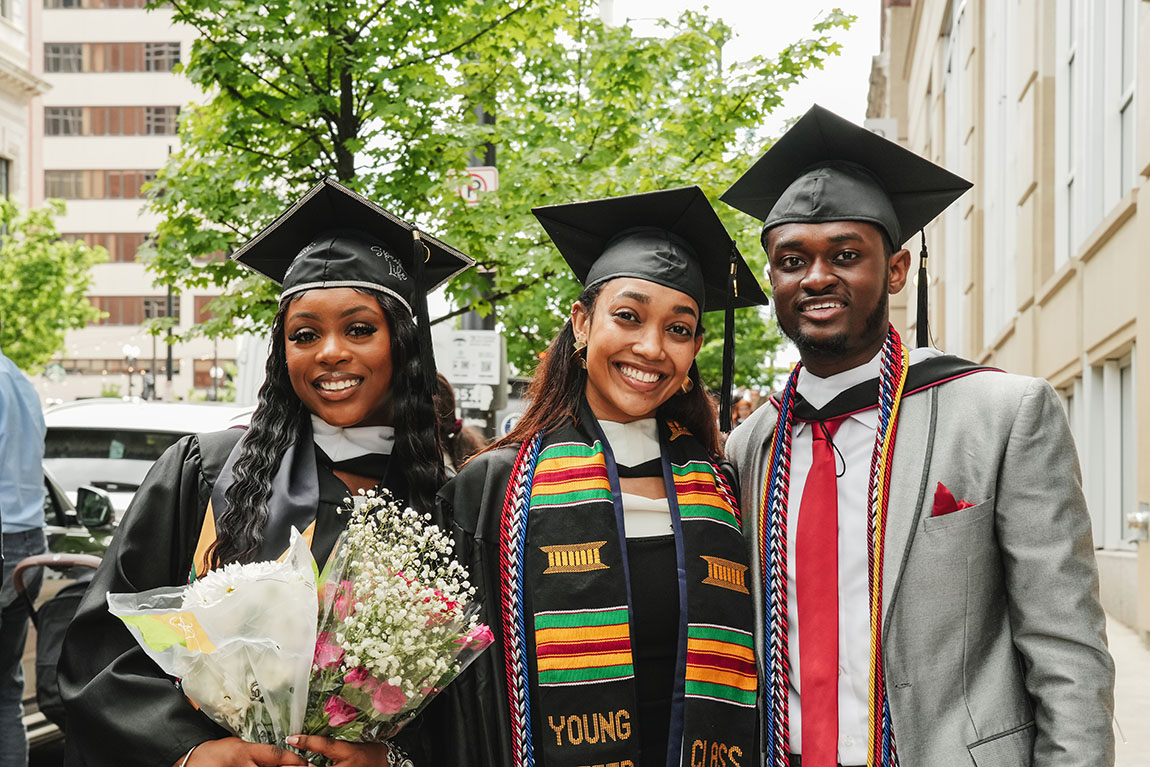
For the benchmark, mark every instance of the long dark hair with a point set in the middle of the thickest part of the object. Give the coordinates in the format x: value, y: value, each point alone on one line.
x: 459, y: 442
x: 557, y: 389
x: 279, y: 415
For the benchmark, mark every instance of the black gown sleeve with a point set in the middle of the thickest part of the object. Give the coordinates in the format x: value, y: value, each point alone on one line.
x: 468, y: 725
x: 121, y: 709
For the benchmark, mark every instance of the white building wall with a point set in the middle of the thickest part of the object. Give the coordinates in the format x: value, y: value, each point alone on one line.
x: 149, y: 152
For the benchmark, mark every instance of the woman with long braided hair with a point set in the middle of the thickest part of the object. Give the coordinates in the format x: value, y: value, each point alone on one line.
x: 601, y: 532
x: 347, y: 405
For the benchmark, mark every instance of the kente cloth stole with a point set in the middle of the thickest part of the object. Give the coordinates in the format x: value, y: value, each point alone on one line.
x: 563, y: 557
x: 772, y: 551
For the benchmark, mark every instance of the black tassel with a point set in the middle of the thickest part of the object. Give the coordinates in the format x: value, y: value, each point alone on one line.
x: 922, y: 333
x: 419, y: 256
x: 729, y: 343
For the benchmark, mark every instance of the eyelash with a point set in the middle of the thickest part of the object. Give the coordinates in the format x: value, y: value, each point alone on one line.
x: 679, y: 330
x: 306, y: 335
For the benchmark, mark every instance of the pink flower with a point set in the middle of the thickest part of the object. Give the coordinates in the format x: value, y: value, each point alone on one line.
x: 478, y: 638
x: 339, y: 711
x: 356, y: 677
x: 388, y: 699
x: 327, y: 652
x: 344, y: 601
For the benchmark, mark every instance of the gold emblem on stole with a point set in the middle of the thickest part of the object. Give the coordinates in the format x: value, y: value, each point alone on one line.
x: 574, y: 557
x: 726, y: 574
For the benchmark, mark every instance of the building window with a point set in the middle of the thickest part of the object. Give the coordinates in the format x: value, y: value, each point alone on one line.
x: 63, y: 57
x: 161, y: 57
x: 5, y: 173
x: 1095, y: 133
x: 998, y: 283
x: 97, y: 184
x: 111, y: 57
x: 202, y: 372
x: 1128, y: 30
x: 203, y: 312
x: 161, y: 121
x: 95, y: 367
x: 132, y: 310
x: 1102, y: 412
x: 63, y: 121
x: 95, y: 4
x: 121, y: 246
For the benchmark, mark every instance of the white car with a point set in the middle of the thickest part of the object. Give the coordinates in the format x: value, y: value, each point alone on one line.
x: 110, y: 444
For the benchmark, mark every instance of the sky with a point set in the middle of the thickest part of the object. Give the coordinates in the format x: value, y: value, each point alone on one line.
x: 766, y: 27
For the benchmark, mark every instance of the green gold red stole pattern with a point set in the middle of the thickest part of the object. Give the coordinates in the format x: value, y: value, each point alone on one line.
x: 567, y: 607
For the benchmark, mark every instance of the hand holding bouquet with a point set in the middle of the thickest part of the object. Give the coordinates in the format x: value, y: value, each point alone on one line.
x: 396, y: 623
x: 240, y: 638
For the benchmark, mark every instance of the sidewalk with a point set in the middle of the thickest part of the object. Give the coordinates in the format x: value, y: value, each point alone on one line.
x: 1131, y: 695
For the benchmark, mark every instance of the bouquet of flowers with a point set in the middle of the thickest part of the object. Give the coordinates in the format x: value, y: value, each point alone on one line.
x: 240, y: 638
x: 396, y: 623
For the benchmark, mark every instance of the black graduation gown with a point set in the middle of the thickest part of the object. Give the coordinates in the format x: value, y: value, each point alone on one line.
x: 122, y: 710
x: 467, y: 725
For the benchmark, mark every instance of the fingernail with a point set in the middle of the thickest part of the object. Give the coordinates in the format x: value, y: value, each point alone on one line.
x: 293, y: 740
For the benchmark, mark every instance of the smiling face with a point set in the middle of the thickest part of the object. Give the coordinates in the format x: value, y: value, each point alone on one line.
x: 338, y: 347
x: 641, y: 341
x: 831, y: 283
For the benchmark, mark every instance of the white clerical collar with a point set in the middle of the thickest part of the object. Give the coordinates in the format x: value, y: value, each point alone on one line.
x: 342, y: 443
x: 820, y: 391
x: 632, y: 443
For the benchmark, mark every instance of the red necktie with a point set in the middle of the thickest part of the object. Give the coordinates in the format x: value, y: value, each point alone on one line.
x: 817, y: 589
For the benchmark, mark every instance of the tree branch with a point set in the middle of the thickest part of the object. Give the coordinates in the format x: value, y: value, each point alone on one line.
x: 465, y: 43
x: 546, y: 275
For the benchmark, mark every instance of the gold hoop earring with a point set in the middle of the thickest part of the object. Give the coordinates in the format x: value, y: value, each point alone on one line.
x: 580, y: 345
x: 687, y: 386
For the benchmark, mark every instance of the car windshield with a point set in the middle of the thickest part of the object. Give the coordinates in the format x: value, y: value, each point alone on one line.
x: 108, y: 444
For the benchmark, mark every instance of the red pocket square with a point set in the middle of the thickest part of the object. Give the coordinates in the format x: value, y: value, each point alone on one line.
x: 945, y: 503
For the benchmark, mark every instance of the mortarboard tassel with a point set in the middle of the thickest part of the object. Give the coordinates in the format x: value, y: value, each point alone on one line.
x: 729, y: 343
x: 922, y: 333
x: 419, y: 256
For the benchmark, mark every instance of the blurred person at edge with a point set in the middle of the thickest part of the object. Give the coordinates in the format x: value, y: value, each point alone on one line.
x: 22, y: 516
x: 459, y: 442
x: 346, y: 405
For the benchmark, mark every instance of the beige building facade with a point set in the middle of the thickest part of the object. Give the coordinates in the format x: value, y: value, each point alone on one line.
x: 105, y: 127
x: 1039, y: 269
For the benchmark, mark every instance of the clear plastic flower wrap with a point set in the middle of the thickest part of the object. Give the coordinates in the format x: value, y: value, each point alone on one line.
x: 240, y: 639
x: 397, y: 623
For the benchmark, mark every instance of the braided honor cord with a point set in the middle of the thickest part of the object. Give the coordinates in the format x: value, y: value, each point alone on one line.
x: 512, y: 547
x: 772, y: 546
x: 772, y: 532
x: 892, y: 379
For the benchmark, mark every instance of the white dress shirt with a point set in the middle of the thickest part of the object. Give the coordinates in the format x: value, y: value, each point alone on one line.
x: 854, y: 441
x: 634, y: 443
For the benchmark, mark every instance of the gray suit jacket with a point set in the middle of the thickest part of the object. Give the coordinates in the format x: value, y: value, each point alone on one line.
x: 994, y: 643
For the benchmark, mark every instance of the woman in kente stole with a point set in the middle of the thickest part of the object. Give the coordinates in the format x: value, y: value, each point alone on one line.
x: 346, y: 405
x: 601, y: 534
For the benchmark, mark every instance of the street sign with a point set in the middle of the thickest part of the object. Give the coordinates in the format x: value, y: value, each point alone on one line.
x: 508, y: 423
x: 479, y: 179
x: 475, y: 358
x: 474, y: 396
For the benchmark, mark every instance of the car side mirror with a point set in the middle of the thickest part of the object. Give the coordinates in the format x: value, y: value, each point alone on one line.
x: 94, y: 507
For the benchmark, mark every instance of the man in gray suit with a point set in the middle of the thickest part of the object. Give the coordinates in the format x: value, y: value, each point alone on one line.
x: 926, y: 591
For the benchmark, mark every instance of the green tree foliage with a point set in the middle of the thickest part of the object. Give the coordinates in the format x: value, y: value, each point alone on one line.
x: 43, y: 281
x: 384, y: 96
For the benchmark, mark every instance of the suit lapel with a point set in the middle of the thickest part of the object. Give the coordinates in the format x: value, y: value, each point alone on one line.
x: 912, y: 449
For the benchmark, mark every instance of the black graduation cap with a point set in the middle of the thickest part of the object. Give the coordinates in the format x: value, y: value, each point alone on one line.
x: 671, y: 237
x: 335, y: 238
x: 826, y: 168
